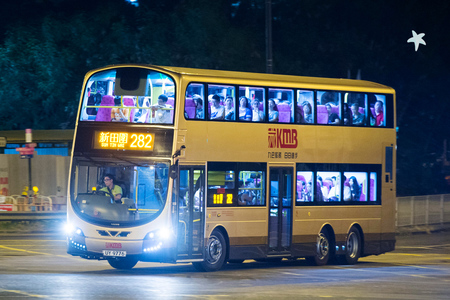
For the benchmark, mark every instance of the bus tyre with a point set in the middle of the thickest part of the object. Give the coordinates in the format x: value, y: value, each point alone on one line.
x: 215, y: 254
x: 352, y: 248
x: 322, y: 251
x: 122, y: 263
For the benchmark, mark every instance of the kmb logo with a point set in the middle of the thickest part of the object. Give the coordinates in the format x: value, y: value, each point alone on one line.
x: 282, y: 138
x: 113, y: 245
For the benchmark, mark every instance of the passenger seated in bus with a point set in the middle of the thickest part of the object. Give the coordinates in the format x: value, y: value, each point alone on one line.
x: 335, y: 191
x: 332, y: 117
x: 140, y: 115
x: 301, y: 190
x: 358, y: 118
x: 347, y: 115
x: 355, y: 189
x: 245, y: 197
x: 347, y: 192
x: 229, y: 109
x: 379, y: 113
x: 307, y: 112
x: 245, y: 113
x: 217, y: 111
x: 308, y: 192
x: 161, y: 111
x: 323, y: 189
x: 111, y: 189
x: 119, y: 114
x: 273, y: 111
x: 199, y: 111
x: 257, y: 115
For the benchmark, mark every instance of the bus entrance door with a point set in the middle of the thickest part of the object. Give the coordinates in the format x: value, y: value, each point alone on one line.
x: 191, y: 212
x: 280, y: 211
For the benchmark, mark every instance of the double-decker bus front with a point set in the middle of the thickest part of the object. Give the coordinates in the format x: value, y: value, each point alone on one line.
x: 119, y: 181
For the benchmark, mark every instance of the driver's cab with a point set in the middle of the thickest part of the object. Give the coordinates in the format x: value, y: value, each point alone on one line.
x: 143, y: 191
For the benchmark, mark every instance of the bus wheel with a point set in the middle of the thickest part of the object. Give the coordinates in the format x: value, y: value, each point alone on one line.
x: 216, y: 251
x: 323, y: 249
x: 353, y: 248
x: 122, y: 263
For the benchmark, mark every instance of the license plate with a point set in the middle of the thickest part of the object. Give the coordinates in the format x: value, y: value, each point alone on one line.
x: 114, y: 253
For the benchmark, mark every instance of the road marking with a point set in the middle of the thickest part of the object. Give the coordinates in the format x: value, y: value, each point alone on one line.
x: 28, y: 251
x: 409, y: 254
x: 23, y: 293
x: 424, y: 247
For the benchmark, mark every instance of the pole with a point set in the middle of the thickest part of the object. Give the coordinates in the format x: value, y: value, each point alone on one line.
x: 29, y: 174
x: 269, y: 60
x: 28, y: 140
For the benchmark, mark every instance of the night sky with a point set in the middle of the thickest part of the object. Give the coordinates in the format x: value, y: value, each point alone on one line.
x: 48, y: 45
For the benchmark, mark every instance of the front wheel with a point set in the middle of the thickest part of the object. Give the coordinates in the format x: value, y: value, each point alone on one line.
x: 122, y: 263
x: 353, y: 248
x: 216, y: 252
x: 323, y: 250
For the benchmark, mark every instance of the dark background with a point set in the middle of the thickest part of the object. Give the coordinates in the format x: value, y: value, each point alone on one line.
x: 47, y: 46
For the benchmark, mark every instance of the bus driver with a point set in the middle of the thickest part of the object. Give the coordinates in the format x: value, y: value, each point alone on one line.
x: 115, y: 191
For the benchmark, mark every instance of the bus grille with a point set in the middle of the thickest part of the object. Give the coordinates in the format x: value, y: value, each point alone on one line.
x: 113, y: 233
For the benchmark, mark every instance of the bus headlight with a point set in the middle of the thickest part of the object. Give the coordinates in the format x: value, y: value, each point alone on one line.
x: 155, y: 240
x: 69, y: 229
x: 161, y: 234
x: 72, y: 230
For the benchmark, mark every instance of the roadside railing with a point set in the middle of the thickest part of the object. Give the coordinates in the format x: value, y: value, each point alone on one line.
x: 423, y: 210
x: 34, y: 203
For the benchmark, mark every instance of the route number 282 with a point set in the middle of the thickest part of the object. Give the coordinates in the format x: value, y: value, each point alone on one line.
x: 143, y: 141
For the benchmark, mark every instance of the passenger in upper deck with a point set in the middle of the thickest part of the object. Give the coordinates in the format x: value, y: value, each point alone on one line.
x: 358, y: 118
x: 257, y: 115
x: 217, y: 111
x: 332, y: 117
x: 245, y: 114
x: 347, y: 117
x: 199, y: 111
x: 379, y: 113
x: 307, y: 110
x: 113, y: 190
x: 161, y: 111
x: 119, y: 114
x: 229, y: 108
x: 273, y: 111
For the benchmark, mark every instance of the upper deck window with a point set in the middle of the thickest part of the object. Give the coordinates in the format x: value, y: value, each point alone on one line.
x: 252, y: 102
x: 131, y: 95
x: 280, y: 107
x: 328, y: 107
x: 221, y: 102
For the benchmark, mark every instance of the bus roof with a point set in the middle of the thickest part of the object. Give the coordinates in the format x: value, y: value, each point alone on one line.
x: 312, y: 82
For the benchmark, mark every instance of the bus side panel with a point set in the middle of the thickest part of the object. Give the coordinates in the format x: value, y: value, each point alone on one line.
x: 246, y: 232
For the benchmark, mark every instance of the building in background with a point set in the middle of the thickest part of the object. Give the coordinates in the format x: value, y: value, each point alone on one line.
x: 49, y: 165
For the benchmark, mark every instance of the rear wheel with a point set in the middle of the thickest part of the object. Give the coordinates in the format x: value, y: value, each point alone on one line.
x: 353, y: 248
x: 216, y: 252
x: 323, y: 250
x: 123, y: 263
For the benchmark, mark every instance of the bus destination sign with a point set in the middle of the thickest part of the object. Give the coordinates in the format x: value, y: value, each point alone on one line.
x: 124, y: 140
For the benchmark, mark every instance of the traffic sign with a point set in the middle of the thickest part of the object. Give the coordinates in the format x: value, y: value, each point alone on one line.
x: 25, y: 150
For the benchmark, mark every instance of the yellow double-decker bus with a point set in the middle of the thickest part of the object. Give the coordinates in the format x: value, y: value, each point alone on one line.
x: 188, y: 165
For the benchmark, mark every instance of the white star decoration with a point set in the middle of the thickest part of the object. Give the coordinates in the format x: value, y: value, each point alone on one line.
x: 417, y: 39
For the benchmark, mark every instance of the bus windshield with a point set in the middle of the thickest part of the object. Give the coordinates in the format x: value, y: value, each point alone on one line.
x: 130, y: 95
x: 119, y: 193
